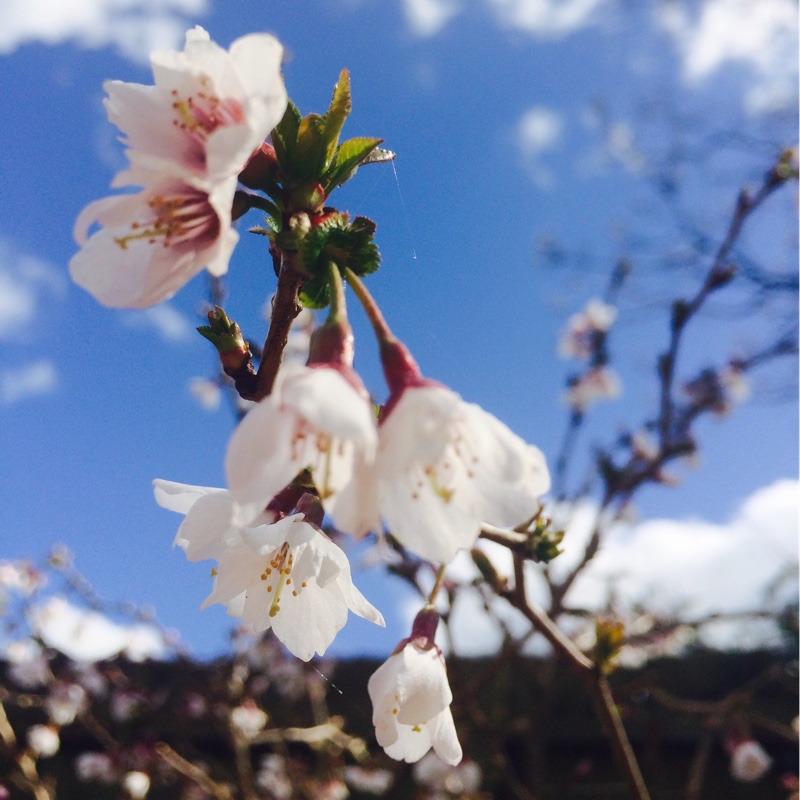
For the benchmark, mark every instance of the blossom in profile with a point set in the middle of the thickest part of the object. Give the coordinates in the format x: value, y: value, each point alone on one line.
x: 207, y: 112
x: 445, y: 466
x: 411, y: 698
x: 749, y: 761
x: 580, y: 338
x: 285, y: 574
x: 151, y: 243
x: 314, y: 419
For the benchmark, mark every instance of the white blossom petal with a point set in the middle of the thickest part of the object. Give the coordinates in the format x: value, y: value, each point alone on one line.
x: 411, y: 705
x: 445, y: 466
x: 314, y: 419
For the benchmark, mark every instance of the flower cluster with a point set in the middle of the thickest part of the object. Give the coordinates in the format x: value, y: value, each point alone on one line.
x: 425, y: 466
x: 188, y: 136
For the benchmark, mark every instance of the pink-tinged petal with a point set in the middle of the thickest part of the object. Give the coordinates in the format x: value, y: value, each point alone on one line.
x: 153, y: 242
x: 257, y: 55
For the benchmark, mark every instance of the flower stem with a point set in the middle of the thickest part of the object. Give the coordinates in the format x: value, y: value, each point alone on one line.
x: 437, y: 585
x: 382, y: 330
x: 338, y: 308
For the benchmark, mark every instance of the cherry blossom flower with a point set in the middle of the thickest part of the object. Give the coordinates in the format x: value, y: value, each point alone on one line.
x: 314, y: 419
x: 749, y: 761
x: 208, y: 111
x: 445, y: 466
x: 411, y: 704
x: 248, y: 718
x: 284, y: 574
x: 444, y: 780
x: 153, y: 242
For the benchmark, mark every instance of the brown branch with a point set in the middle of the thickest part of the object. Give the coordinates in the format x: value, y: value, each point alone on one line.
x: 592, y: 677
x: 192, y: 772
x: 285, y: 308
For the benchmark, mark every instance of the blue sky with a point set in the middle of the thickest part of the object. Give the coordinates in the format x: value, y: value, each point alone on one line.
x: 517, y: 124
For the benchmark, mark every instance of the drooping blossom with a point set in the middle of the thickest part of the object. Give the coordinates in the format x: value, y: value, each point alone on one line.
x: 411, y: 698
x: 208, y: 110
x: 284, y: 574
x: 580, y: 338
x: 314, y: 419
x: 749, y: 761
x: 445, y: 466
x: 153, y: 242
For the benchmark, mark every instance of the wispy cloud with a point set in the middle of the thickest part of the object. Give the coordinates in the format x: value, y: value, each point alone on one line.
x: 25, y: 281
x: 761, y: 35
x: 541, y: 18
x: 690, y: 566
x: 539, y: 130
x: 547, y: 18
x: 133, y: 27
x: 428, y: 17
x: 32, y: 380
x: 169, y: 323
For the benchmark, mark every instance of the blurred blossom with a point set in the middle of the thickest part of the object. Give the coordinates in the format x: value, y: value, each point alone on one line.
x: 64, y: 702
x: 272, y: 777
x: 445, y: 779
x: 95, y: 767
x: 333, y: 789
x: 20, y: 577
x: 90, y: 677
x: 195, y: 705
x: 136, y: 784
x: 43, y: 740
x: 27, y: 665
x: 125, y: 704
x: 735, y: 383
x: 598, y: 383
x: 580, y: 338
x: 368, y: 781
x: 643, y: 446
x: 248, y: 718
x: 749, y: 761
x: 207, y: 393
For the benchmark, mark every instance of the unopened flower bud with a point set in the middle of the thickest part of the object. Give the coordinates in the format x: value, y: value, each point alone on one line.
x: 261, y: 171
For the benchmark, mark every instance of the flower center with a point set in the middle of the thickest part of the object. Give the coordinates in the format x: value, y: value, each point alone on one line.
x: 277, y: 575
x: 202, y: 113
x: 174, y: 218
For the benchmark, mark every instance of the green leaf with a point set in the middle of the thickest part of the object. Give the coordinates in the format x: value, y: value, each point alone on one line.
x: 349, y: 157
x: 284, y: 138
x: 310, y: 156
x: 336, y: 115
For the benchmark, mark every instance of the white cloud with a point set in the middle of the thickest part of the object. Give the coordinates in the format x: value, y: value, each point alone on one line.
x: 547, y: 18
x: 169, y: 323
x: 34, y: 379
x: 538, y: 131
x: 134, y: 27
x: 689, y: 566
x: 761, y: 34
x: 428, y: 17
x: 87, y: 636
x: 24, y: 280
